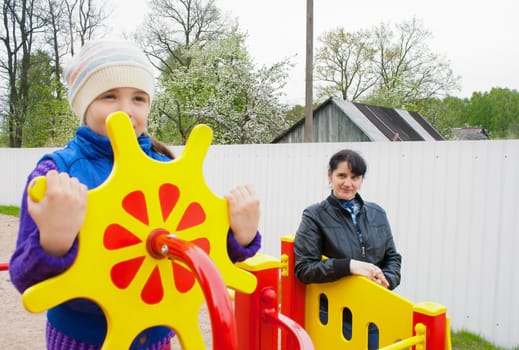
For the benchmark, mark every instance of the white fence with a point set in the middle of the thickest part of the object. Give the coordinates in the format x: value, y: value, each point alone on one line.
x: 453, y: 207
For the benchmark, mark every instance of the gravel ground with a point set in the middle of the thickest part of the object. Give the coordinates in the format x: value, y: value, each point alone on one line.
x: 21, y: 330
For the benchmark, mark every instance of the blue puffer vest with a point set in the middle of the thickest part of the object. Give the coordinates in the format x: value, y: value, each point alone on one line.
x: 89, y: 157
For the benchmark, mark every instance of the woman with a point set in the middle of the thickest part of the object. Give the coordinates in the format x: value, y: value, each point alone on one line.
x: 354, y: 235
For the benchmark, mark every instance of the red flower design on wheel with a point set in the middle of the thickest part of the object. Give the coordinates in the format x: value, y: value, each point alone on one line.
x: 117, y: 237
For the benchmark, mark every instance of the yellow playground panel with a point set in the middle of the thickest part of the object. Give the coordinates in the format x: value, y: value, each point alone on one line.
x: 400, y: 322
x: 114, y: 267
x: 368, y: 303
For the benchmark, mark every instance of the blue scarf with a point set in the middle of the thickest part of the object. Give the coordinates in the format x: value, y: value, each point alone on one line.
x: 353, y: 207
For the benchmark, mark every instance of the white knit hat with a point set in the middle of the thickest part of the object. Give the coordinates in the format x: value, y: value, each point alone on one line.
x: 104, y: 65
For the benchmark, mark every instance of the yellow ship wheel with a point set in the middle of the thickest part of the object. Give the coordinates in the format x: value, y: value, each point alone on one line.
x: 115, y: 267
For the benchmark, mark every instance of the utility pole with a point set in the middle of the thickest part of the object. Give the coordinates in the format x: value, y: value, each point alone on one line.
x: 309, y: 124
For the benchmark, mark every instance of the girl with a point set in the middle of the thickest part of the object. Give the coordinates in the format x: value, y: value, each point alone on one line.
x: 104, y: 77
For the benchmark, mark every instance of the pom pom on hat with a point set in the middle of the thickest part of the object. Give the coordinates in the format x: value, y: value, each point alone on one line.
x: 104, y: 65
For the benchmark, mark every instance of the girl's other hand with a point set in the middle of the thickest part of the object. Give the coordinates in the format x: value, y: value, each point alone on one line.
x: 244, y: 213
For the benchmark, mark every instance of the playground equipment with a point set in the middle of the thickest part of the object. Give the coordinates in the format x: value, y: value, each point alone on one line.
x: 162, y: 250
x: 400, y: 322
x: 156, y: 210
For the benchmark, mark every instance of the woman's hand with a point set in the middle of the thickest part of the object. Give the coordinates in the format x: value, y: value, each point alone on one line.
x: 60, y: 214
x: 369, y: 270
x: 244, y: 213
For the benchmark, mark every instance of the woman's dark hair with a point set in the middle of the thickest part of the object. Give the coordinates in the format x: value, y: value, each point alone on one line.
x: 356, y: 162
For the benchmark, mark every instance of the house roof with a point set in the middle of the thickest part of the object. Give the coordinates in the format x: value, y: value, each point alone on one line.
x: 469, y: 134
x: 379, y: 123
x: 399, y: 124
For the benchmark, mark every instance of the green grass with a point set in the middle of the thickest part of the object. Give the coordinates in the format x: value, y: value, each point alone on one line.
x: 461, y: 340
x: 465, y: 340
x: 10, y: 210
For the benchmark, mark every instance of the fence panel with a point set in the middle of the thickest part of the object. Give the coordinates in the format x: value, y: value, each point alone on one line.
x: 453, y: 208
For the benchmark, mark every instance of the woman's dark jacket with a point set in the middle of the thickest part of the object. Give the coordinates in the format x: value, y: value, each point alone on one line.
x: 327, y: 230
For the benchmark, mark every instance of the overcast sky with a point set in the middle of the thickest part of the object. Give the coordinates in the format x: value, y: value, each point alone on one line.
x: 479, y: 38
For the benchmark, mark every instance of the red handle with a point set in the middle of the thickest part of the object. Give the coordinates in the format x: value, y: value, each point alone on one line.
x: 221, y: 313
x: 272, y: 315
x: 4, y: 266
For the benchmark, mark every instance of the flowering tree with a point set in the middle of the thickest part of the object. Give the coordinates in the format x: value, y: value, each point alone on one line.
x: 207, y: 76
x: 222, y: 88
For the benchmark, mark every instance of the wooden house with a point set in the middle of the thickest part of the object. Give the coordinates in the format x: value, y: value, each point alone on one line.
x: 336, y: 120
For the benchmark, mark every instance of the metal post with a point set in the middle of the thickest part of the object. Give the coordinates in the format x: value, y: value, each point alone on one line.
x: 309, y: 129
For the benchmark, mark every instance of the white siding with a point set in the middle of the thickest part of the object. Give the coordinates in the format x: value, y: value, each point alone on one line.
x: 453, y: 207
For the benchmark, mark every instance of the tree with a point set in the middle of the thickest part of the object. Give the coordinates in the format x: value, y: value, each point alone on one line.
x: 344, y: 63
x: 383, y: 66
x: 21, y: 22
x: 408, y: 70
x: 48, y: 119
x: 221, y: 88
x: 36, y: 35
x: 497, y: 111
x: 246, y: 108
x: 174, y: 27
x: 445, y: 114
x: 207, y: 76
x: 179, y: 105
x: 68, y: 22
x: 84, y: 19
x: 56, y: 23
x: 174, y: 32
x: 295, y: 114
